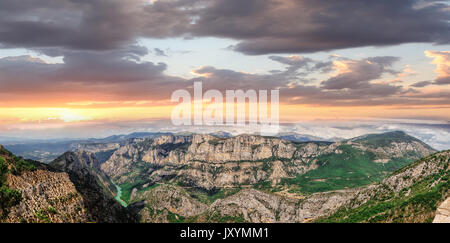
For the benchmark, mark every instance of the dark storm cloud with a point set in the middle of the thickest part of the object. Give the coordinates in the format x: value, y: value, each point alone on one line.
x: 113, y: 75
x: 119, y: 65
x: 442, y: 80
x: 385, y: 95
x: 223, y: 79
x: 300, y: 62
x: 378, y: 94
x: 272, y: 26
x: 159, y: 52
x: 298, y: 93
x: 81, y: 24
x: 81, y: 70
x: 90, y: 24
x: 287, y: 26
x: 293, y: 61
x: 357, y: 74
x: 421, y: 84
x: 362, y: 91
x: 296, y: 67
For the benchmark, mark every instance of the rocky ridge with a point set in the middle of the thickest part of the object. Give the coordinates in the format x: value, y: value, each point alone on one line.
x: 65, y: 192
x: 409, y: 195
x: 212, y: 162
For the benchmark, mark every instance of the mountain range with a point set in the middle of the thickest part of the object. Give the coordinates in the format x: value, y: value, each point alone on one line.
x: 46, y: 150
x: 389, y: 177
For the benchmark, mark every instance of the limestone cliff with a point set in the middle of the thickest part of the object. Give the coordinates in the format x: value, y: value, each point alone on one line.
x: 69, y: 192
x: 409, y: 195
x: 212, y: 162
x: 443, y: 212
x: 94, y: 186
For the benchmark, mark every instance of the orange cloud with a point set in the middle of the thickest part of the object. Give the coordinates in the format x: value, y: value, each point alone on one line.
x: 442, y: 61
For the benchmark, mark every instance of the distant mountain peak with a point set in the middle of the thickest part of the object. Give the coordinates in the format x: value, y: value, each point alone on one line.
x: 387, y: 138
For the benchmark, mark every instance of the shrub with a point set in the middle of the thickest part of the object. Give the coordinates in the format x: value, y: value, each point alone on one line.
x: 3, y: 171
x: 22, y: 165
x: 8, y: 199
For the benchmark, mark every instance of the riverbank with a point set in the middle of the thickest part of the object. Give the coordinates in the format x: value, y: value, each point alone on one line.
x: 119, y: 195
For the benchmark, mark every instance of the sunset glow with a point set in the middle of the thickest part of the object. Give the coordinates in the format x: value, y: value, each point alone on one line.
x: 129, y: 75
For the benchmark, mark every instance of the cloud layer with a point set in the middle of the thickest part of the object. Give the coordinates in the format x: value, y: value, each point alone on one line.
x: 278, y: 26
x: 120, y: 75
x: 103, y: 62
x: 262, y: 27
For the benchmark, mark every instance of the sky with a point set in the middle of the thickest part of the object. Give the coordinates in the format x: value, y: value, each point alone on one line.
x: 67, y: 65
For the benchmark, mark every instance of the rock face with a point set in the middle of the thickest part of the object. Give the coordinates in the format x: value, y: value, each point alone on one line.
x: 68, y: 191
x: 443, y: 212
x: 47, y: 197
x: 97, y: 147
x: 94, y: 186
x: 409, y: 195
x: 256, y: 206
x: 165, y: 199
x: 263, y: 207
x: 212, y: 162
x: 247, y: 205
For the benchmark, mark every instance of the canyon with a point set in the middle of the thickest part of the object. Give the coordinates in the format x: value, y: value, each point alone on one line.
x: 245, y: 178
